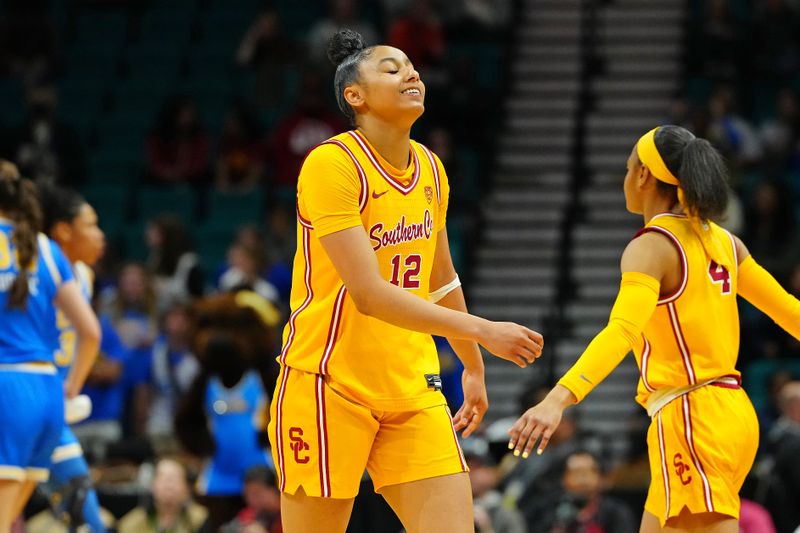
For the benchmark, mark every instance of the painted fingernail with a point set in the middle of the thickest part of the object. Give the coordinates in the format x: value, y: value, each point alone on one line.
x: 516, y: 453
x: 511, y: 445
x: 524, y: 455
x: 539, y: 451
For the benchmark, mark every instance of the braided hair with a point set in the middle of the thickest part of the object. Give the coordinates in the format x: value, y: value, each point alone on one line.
x: 19, y: 202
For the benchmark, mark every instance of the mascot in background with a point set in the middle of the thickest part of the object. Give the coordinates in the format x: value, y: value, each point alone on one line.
x: 223, y: 416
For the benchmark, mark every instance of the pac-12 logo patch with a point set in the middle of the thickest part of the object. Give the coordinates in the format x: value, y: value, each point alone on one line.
x: 298, y: 445
x: 429, y: 193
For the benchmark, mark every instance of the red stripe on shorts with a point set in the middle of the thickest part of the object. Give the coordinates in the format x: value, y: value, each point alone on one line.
x: 687, y: 419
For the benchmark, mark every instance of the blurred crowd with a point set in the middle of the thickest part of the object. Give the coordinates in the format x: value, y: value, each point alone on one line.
x: 146, y: 477
x: 741, y: 92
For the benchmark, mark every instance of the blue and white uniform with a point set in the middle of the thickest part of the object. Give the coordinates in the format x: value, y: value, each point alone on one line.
x: 31, y: 393
x: 68, y: 462
x: 236, y: 416
x: 65, y: 338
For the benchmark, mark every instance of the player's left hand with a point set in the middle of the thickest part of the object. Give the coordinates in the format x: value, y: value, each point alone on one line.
x: 475, y: 403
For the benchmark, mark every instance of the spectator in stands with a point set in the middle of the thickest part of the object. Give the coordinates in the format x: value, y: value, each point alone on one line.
x: 247, y: 265
x: 266, y: 49
x: 105, y: 387
x: 177, y: 275
x: 341, y: 14
x: 489, y: 15
x: 632, y: 475
x: 130, y: 307
x: 172, y: 369
x: 770, y: 226
x: 263, y: 511
x: 178, y: 147
x: 731, y: 133
x: 784, y: 444
x: 27, y: 41
x: 491, y: 514
x: 420, y: 35
x: 719, y: 42
x: 44, y: 148
x: 309, y: 123
x: 776, y: 50
x: 580, y: 505
x: 240, y: 161
x: 281, y: 234
x: 171, y: 509
x: 780, y: 135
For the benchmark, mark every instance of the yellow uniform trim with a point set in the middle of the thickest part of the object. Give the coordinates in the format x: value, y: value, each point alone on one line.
x: 636, y: 301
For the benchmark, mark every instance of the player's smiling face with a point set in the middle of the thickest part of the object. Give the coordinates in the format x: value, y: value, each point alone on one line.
x: 390, y: 87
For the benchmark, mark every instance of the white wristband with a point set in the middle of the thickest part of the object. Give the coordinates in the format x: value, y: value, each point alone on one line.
x: 441, y: 292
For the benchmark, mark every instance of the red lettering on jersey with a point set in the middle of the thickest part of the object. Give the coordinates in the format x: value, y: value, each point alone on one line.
x: 402, y: 232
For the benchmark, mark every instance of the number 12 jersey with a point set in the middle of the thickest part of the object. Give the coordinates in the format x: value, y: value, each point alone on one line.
x: 345, y: 183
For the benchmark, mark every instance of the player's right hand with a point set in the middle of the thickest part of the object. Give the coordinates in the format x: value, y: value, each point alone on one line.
x: 512, y: 342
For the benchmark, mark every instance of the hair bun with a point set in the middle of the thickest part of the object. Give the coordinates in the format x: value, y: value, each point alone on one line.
x: 344, y: 44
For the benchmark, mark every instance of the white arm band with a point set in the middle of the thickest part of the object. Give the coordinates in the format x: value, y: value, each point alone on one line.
x: 441, y: 292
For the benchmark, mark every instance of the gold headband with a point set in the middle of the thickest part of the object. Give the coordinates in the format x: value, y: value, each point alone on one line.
x: 649, y: 156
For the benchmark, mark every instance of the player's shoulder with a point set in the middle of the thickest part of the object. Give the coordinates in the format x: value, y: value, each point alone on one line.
x: 333, y: 150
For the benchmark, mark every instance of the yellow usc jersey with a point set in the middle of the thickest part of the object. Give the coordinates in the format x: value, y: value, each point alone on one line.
x: 345, y: 183
x: 693, y: 335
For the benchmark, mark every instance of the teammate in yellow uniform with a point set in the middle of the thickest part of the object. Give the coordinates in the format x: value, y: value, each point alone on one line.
x: 359, y: 385
x: 677, y: 310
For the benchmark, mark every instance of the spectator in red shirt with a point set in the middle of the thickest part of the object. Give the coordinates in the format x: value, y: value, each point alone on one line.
x: 178, y: 147
x: 263, y: 511
x: 240, y: 163
x: 310, y: 123
x: 419, y: 34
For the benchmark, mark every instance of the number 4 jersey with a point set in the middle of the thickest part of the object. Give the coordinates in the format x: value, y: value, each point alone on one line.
x: 345, y: 183
x: 693, y: 335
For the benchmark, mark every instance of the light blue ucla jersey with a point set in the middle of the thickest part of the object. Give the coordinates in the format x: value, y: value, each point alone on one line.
x: 26, y: 334
x: 65, y: 335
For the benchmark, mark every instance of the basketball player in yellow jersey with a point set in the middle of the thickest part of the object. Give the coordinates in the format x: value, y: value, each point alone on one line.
x: 676, y: 309
x: 359, y: 385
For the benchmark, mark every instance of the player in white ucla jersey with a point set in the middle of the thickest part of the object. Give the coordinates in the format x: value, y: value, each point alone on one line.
x: 72, y: 223
x: 35, y: 278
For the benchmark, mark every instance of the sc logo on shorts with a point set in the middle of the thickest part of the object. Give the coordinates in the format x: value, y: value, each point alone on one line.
x: 298, y: 445
x: 681, y: 468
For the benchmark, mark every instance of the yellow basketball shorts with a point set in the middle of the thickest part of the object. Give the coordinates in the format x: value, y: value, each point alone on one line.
x: 701, y: 447
x: 322, y: 441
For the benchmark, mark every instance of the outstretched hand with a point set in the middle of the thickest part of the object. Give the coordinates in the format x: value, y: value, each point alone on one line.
x: 540, y: 421
x: 475, y: 404
x: 512, y: 342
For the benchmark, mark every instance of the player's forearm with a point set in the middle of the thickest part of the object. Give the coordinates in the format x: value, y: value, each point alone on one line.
x: 466, y: 350
x: 758, y: 287
x: 86, y: 353
x: 390, y: 303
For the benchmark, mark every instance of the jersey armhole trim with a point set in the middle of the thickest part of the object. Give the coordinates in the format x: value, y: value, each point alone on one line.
x: 674, y: 295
